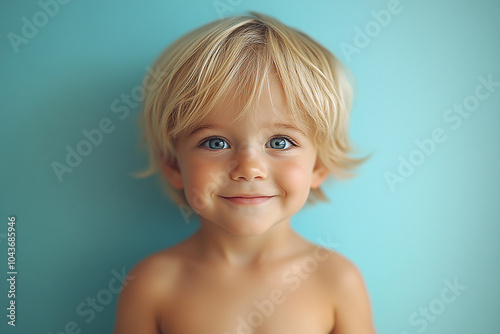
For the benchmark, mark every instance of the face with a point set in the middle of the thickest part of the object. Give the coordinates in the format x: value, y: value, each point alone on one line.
x: 249, y: 175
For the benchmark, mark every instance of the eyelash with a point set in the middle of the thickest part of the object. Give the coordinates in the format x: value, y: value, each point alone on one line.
x: 293, y: 142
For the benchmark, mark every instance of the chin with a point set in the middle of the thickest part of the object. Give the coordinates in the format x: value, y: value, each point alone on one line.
x: 246, y: 229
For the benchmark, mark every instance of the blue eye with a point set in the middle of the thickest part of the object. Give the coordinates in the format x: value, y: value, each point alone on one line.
x: 279, y: 143
x: 215, y: 143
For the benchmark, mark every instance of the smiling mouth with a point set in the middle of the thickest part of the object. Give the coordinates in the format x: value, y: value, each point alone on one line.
x: 248, y: 200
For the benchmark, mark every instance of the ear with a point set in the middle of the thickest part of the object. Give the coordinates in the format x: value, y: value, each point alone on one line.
x: 173, y: 174
x: 320, y: 173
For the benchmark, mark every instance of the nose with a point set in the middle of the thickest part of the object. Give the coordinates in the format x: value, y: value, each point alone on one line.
x: 248, y: 165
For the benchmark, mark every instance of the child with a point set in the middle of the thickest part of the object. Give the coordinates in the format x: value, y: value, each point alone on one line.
x: 246, y: 120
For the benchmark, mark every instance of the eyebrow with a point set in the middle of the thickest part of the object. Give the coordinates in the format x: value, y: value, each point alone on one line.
x: 271, y: 126
x: 201, y: 128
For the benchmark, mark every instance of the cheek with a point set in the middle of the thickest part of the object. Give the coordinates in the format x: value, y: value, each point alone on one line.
x: 194, y: 175
x: 294, y: 176
x: 202, y: 178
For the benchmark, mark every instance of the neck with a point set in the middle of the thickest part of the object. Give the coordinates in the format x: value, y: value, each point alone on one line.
x: 217, y: 244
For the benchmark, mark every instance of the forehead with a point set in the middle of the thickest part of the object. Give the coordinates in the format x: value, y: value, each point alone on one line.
x: 268, y: 108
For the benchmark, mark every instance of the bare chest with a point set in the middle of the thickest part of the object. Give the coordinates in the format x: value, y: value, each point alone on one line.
x: 283, y: 302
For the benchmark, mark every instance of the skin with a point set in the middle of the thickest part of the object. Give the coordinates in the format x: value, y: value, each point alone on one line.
x: 245, y: 270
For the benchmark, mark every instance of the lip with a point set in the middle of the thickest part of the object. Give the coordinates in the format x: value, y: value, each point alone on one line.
x: 246, y: 199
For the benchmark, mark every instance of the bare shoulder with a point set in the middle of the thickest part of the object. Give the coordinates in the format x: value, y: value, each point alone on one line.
x: 148, y: 286
x: 154, y: 272
x: 339, y: 271
x: 346, y: 287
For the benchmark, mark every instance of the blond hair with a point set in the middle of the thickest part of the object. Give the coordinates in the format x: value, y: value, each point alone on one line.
x: 233, y: 57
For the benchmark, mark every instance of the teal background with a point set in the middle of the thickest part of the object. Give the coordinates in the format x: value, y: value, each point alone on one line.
x: 441, y: 224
